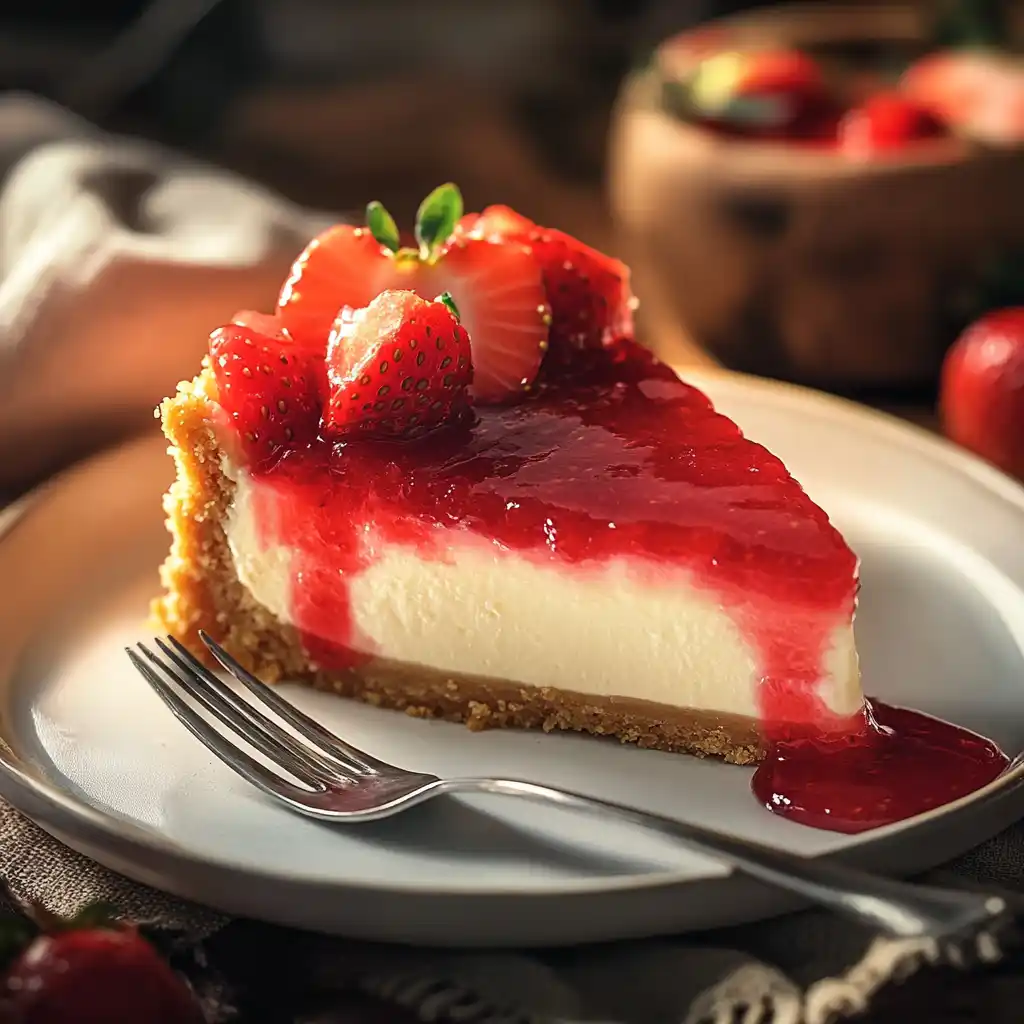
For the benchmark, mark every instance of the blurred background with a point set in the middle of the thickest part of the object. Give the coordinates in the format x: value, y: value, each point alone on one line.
x: 832, y: 240
x: 329, y: 98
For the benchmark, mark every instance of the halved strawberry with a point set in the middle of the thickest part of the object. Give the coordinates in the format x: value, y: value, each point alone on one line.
x: 343, y: 266
x: 589, y: 294
x: 270, y: 387
x: 499, y: 293
x: 496, y: 286
x: 396, y: 368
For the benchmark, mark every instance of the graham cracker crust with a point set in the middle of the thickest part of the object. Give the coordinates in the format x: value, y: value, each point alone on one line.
x: 203, y: 592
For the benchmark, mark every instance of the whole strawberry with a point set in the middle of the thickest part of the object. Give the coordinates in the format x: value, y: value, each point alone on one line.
x: 981, y: 398
x: 270, y: 387
x: 979, y: 91
x: 495, y: 284
x: 589, y: 293
x: 94, y: 975
x: 887, y: 121
x: 397, y: 368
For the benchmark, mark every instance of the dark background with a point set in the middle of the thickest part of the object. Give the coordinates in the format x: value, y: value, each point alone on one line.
x: 193, y: 73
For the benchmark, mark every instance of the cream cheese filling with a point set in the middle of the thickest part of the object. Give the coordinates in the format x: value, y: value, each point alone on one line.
x: 606, y: 631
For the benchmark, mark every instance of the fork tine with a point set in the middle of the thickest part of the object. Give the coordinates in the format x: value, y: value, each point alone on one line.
x: 238, y: 760
x: 255, y: 724
x: 180, y: 673
x: 301, y: 723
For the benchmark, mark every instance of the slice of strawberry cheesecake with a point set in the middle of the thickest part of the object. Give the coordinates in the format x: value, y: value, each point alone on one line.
x: 445, y: 480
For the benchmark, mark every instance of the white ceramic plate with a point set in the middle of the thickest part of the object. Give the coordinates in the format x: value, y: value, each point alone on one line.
x: 89, y: 752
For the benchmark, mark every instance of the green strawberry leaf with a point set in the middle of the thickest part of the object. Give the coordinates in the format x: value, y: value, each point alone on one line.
x: 436, y: 219
x: 445, y: 298
x: 382, y: 226
x: 95, y: 915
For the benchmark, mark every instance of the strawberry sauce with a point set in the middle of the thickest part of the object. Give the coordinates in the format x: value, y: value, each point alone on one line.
x: 615, y: 461
x: 622, y: 460
x: 901, y: 763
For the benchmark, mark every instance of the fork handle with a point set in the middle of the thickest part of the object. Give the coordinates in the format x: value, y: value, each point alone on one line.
x: 898, y: 908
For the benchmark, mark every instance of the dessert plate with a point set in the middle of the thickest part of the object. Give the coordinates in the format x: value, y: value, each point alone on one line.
x: 88, y: 751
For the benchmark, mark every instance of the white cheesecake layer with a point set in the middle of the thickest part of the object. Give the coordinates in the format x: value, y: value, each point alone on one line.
x: 621, y: 629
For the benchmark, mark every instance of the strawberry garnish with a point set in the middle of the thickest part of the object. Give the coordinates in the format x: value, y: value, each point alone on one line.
x: 269, y: 386
x: 397, y: 368
x: 589, y: 294
x: 496, y: 286
x: 261, y: 323
x: 343, y: 266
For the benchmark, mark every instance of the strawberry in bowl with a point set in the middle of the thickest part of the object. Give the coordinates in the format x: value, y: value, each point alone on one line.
x: 775, y: 93
x: 886, y: 122
x: 980, y: 92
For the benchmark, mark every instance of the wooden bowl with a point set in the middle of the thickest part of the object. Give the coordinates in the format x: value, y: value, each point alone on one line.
x: 800, y: 262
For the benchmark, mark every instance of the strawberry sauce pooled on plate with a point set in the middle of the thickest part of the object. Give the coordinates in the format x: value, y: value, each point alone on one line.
x: 900, y: 763
x: 481, y: 396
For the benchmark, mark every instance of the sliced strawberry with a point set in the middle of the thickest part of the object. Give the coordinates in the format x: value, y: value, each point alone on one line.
x: 496, y: 285
x: 397, y: 368
x: 344, y: 266
x: 269, y: 386
x: 500, y: 295
x: 589, y: 293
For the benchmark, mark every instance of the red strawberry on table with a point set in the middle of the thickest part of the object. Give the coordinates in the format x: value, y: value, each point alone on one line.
x: 981, y: 398
x: 589, y: 293
x: 94, y: 974
x: 270, y: 386
x: 887, y: 121
x: 497, y: 288
x: 397, y: 368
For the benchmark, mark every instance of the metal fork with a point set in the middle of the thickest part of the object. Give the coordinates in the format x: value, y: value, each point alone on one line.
x: 334, y: 781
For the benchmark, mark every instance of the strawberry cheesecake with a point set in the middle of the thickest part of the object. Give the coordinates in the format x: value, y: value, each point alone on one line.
x: 443, y: 479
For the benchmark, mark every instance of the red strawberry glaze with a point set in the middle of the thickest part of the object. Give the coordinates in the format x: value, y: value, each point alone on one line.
x: 620, y: 461
x: 899, y: 764
x: 625, y: 461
